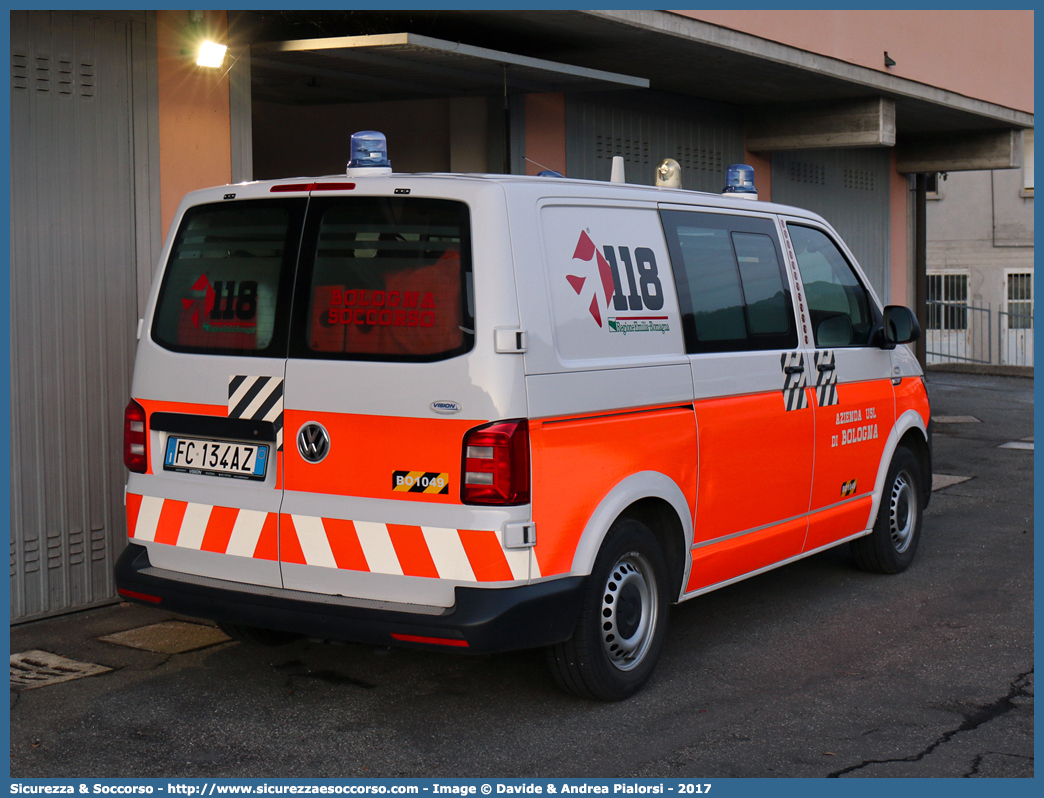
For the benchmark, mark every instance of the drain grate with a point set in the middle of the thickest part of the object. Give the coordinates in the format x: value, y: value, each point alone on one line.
x: 956, y: 419
x: 168, y: 637
x: 40, y: 668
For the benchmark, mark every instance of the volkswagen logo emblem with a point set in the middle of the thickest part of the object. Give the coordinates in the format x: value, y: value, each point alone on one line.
x: 313, y: 442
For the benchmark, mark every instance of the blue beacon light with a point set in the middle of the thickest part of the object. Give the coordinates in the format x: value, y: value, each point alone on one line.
x: 739, y: 182
x: 369, y: 154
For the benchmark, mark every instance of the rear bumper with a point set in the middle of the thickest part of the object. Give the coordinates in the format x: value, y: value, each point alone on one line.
x: 486, y: 619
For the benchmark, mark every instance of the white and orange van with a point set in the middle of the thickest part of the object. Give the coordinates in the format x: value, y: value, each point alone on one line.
x: 486, y: 412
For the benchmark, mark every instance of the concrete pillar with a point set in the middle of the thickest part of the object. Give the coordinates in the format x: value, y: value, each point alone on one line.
x: 469, y: 135
x: 921, y: 267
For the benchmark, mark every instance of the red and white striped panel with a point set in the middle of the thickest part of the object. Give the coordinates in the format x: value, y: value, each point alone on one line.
x: 204, y: 527
x: 464, y: 555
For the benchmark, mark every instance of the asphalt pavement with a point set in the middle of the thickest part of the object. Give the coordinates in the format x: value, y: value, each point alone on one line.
x: 812, y: 670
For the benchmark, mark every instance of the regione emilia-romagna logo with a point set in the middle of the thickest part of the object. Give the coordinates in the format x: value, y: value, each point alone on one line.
x: 619, y: 266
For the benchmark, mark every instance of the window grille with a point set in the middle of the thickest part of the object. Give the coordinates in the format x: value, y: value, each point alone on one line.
x: 1020, y: 301
x: 947, y: 302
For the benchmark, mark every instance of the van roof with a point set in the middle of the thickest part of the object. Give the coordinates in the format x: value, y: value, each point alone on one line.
x: 557, y: 184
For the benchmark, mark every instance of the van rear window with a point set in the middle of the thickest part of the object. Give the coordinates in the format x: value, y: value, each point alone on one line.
x: 388, y: 278
x: 227, y: 286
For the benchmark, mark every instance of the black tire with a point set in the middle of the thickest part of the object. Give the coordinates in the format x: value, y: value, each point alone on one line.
x: 890, y: 548
x: 623, y: 618
x: 256, y: 635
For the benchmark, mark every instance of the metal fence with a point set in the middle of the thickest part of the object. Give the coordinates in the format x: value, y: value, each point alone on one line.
x: 1015, y: 337
x: 962, y: 332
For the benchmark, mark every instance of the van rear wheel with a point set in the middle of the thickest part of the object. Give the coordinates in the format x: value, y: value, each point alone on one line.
x: 623, y: 618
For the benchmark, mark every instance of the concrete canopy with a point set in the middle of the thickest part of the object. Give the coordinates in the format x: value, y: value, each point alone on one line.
x: 682, y: 56
x: 401, y: 66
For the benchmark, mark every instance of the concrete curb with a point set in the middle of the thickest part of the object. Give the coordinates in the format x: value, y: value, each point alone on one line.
x: 983, y: 368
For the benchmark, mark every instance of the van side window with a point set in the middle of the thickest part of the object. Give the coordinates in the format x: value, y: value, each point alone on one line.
x: 384, y: 278
x: 839, y: 306
x: 731, y: 285
x: 228, y: 282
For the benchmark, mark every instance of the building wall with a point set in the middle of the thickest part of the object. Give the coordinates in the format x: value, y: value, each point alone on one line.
x: 980, y: 225
x: 469, y: 134
x: 194, y: 130
x: 762, y: 166
x: 983, y: 54
x: 297, y: 140
x: 545, y: 133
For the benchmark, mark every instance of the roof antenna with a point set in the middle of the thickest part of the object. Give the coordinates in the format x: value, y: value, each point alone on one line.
x: 617, y: 175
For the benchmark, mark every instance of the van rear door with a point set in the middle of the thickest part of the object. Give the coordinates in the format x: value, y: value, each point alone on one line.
x: 385, y: 376
x: 209, y: 376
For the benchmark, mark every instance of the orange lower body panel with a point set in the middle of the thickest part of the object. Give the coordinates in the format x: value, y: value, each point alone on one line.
x: 851, y: 438
x: 755, y: 463
x: 578, y: 461
x: 836, y: 523
x: 729, y: 559
x: 366, y: 451
x: 910, y: 395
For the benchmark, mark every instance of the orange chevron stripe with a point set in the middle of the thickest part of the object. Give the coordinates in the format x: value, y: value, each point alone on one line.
x: 485, y: 555
x: 344, y: 543
x: 268, y: 544
x: 289, y: 544
x: 412, y: 551
x: 169, y: 526
x: 219, y: 529
x: 133, y: 506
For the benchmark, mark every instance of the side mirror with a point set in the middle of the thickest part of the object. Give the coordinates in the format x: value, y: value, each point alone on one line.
x: 900, y: 326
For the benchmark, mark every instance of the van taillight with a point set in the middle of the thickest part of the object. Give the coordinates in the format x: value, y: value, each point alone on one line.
x: 134, y: 449
x: 496, y: 464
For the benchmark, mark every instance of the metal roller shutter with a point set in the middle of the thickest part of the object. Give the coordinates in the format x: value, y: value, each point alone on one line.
x: 850, y: 189
x: 74, y: 256
x: 645, y: 127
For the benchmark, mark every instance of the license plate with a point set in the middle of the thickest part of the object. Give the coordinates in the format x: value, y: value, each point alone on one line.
x: 216, y: 458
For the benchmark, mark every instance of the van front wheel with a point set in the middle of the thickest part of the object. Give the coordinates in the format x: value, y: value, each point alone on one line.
x: 623, y: 618
x: 890, y: 547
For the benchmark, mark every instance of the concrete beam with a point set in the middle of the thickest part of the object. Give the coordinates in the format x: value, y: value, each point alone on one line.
x: 858, y: 123
x: 873, y: 81
x: 961, y: 152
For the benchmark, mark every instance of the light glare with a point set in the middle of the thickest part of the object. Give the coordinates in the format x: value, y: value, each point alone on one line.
x: 211, y: 54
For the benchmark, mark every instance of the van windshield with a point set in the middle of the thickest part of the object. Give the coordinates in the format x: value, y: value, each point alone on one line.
x: 227, y: 286
x: 384, y: 278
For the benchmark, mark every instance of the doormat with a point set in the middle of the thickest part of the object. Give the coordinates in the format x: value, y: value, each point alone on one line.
x: 168, y: 637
